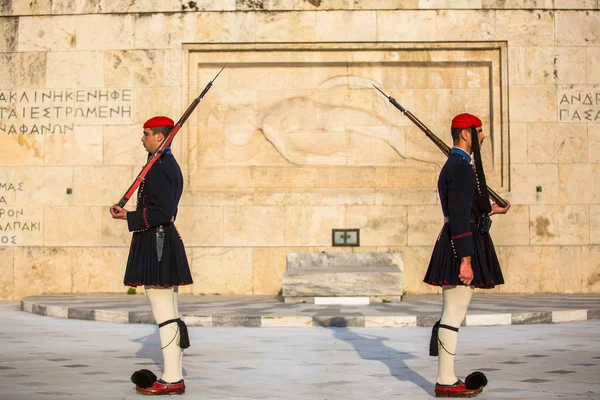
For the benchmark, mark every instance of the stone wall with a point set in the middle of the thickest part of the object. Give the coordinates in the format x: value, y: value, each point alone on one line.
x: 291, y: 141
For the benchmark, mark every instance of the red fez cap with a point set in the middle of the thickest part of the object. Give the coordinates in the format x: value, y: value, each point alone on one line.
x: 465, y: 121
x: 158, y: 121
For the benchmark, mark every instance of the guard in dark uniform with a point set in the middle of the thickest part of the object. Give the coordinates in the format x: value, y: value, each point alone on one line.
x: 157, y: 258
x: 464, y: 255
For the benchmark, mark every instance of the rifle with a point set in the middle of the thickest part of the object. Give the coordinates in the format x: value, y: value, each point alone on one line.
x: 437, y: 141
x: 166, y: 143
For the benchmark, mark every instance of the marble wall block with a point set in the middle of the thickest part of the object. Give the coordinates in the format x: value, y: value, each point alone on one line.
x: 534, y: 183
x: 385, y: 4
x: 46, y: 33
x: 511, y: 228
x: 81, y: 69
x: 173, y: 68
x: 311, y: 226
x: 571, y: 4
x: 436, y: 4
x: 134, y: 68
x: 157, y: 101
x: 101, y: 186
x: 22, y: 150
x: 315, y: 196
x: 10, y: 28
x: 115, y: 233
x: 454, y: 25
x: 507, y: 4
x: 225, y: 27
x: 547, y: 65
x: 211, y: 5
x: 518, y: 146
x: 73, y: 226
x: 594, y: 224
x: 581, y: 265
x: 120, y: 6
x: 579, y: 183
x: 76, y: 7
x: 39, y: 7
x: 593, y: 64
x: 253, y: 225
x: 594, y: 143
x: 222, y: 270
x: 525, y: 27
x: 530, y: 269
x: 406, y: 26
x: 424, y: 224
x: 200, y: 225
x: 212, y: 198
x: 6, y: 273
x: 99, y: 270
x: 553, y: 225
x: 41, y: 270
x: 268, y: 267
x: 105, y: 32
x: 577, y: 28
x: 379, y: 225
x: 286, y: 27
x: 81, y: 147
x: 533, y: 103
x: 44, y: 186
x: 403, y: 197
x: 322, y: 5
x: 121, y: 145
x: 23, y: 70
x: 346, y: 26
x: 557, y: 143
x: 164, y: 31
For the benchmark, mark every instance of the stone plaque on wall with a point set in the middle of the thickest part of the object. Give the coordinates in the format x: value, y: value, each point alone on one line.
x: 307, y: 116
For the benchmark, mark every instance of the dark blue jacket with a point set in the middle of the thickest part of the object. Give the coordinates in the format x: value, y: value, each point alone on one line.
x: 457, y: 189
x: 158, y: 195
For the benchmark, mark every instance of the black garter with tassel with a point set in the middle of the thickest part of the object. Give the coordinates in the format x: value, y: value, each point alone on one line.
x: 184, y: 338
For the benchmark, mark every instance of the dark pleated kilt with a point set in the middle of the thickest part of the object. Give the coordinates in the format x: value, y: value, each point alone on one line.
x: 143, y: 267
x: 444, y: 267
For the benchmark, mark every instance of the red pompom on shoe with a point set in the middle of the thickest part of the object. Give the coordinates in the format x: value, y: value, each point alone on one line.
x: 457, y: 390
x: 161, y: 387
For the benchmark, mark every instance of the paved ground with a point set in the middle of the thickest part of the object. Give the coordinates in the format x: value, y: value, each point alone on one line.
x: 267, y: 311
x: 54, y: 358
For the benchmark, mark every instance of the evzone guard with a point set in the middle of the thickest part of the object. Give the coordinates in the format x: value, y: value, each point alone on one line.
x: 157, y: 258
x: 463, y: 256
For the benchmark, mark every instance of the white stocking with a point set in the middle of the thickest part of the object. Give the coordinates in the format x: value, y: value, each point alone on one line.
x: 164, y: 308
x: 176, y: 300
x: 456, y: 302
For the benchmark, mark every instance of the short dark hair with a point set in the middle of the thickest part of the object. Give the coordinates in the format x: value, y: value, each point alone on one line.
x: 161, y: 129
x: 456, y: 133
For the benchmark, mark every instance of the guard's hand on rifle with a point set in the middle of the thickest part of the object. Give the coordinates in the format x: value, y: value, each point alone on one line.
x: 496, y: 209
x: 118, y: 212
x: 466, y: 271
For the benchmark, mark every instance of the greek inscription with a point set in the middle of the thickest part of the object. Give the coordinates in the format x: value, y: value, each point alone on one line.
x: 55, y: 111
x: 15, y: 219
x: 579, y: 105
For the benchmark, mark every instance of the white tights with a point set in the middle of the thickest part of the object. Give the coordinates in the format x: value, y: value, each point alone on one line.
x: 164, y: 307
x: 456, y: 302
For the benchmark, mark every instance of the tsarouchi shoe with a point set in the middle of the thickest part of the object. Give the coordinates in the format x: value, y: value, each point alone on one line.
x: 457, y: 390
x: 161, y: 387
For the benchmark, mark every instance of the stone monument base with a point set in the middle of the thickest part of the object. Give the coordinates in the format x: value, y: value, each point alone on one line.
x: 378, y: 276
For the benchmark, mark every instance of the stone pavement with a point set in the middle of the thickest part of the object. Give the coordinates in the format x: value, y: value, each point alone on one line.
x: 57, y: 358
x: 268, y: 311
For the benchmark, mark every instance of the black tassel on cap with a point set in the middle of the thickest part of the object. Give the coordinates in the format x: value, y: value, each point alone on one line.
x: 143, y: 378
